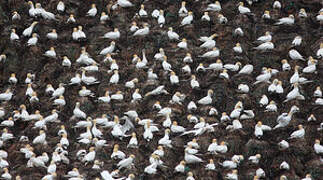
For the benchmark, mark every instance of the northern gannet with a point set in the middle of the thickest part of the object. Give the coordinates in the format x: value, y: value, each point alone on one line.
x: 27, y: 32
x: 285, y: 65
x: 52, y: 167
x: 118, y: 96
x: 317, y: 92
x: 233, y: 67
x: 206, y: 16
x: 180, y: 167
x: 173, y: 78
x: 126, y: 163
x: 41, y: 139
x: 157, y: 91
x: 215, y: 52
x: 142, y: 11
x: 90, y: 156
x: 191, y: 158
x: 188, y: 19
x: 194, y: 83
x: 29, y: 90
x: 182, y: 44
x: 221, y: 148
x: 319, y: 52
x: 297, y: 41
x: 214, y: 6
x: 80, y: 32
x: 85, y: 92
x: 247, y: 69
x: 76, y: 79
x: 265, y: 46
x: 263, y: 77
x: 233, y: 175
x: 117, y: 154
x: 255, y: 159
x: 230, y: 164
x: 30, y: 77
x: 188, y: 58
x: 171, y: 34
x: 2, y: 112
x: 295, y: 55
x: 6, y: 96
x: 12, y: 79
x: 217, y: 66
x: 115, y: 77
x: 260, y: 173
x: 50, y: 53
x: 109, y: 49
x: 213, y: 146
x: 320, y: 17
x: 302, y: 13
x: 298, y: 133
x: 284, y: 119
x: 259, y: 128
x: 264, y: 100
x: 133, y: 142
x: 8, y: 123
x: 161, y: 19
x: 311, y: 68
x: 294, y: 94
x: 175, y: 128
x: 200, y: 68
x: 238, y: 32
x: 66, y: 62
x: 271, y: 107
x: 266, y: 38
x: 155, y: 13
x: 277, y: 5
x: 237, y: 48
x: 71, y: 19
x: 31, y: 11
x: 165, y: 141
x: 266, y: 15
x: 190, y: 176
x: 75, y: 34
x: 182, y: 12
x: 88, y: 80
x: 52, y: 118
x: 15, y: 16
x: 142, y: 32
x: 160, y: 55
x: 318, y: 148
x: 207, y: 99
x: 286, y: 20
x: 242, y: 9
x: 284, y: 165
x: 93, y: 11
x: 209, y: 43
x: 104, y: 17
x: 60, y: 6
x: 283, y: 145
x: 244, y: 88
x: 115, y: 34
x: 308, y: 177
x: 52, y: 35
x: 124, y: 3
x: 133, y: 27
x: 78, y: 113
x: 13, y: 35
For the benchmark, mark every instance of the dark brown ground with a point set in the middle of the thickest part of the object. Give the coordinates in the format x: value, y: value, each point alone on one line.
x: 22, y: 59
